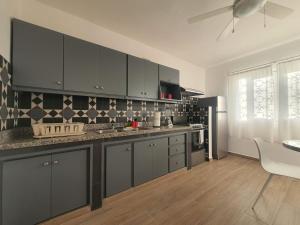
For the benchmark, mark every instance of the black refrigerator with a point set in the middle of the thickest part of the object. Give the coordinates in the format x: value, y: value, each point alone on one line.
x: 217, y: 125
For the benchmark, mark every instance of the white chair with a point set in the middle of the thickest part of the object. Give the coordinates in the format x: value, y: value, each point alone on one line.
x: 276, y: 163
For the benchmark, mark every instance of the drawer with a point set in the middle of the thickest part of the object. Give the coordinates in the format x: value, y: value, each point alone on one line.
x: 179, y: 139
x: 175, y: 149
x: 177, y: 162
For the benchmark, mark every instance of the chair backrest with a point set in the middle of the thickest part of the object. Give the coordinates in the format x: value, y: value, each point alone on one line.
x: 263, y: 156
x: 278, y: 161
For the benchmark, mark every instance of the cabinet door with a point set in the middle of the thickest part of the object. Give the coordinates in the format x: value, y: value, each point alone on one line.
x: 118, y: 168
x: 113, y: 72
x: 69, y: 181
x: 136, y: 77
x: 26, y: 191
x: 37, y: 57
x: 160, y: 157
x: 143, y: 159
x: 151, y: 80
x: 168, y: 74
x: 81, y: 65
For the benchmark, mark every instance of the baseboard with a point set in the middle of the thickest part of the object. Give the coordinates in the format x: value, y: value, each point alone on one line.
x: 243, y: 156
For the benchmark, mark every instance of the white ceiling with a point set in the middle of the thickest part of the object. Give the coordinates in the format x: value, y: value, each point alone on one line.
x: 162, y: 24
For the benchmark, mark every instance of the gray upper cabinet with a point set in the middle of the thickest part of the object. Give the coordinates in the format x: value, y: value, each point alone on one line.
x: 168, y: 74
x: 118, y: 168
x: 81, y: 65
x: 142, y: 78
x: 69, y: 181
x: 90, y: 68
x: 112, y: 72
x: 37, y: 57
x: 151, y: 79
x: 26, y: 191
x: 135, y: 77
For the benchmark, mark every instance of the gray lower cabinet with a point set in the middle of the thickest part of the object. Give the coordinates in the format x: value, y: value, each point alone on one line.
x: 168, y: 74
x: 160, y: 157
x: 142, y: 78
x: 38, y: 188
x: 143, y: 162
x: 26, y: 191
x: 150, y: 160
x: 118, y: 168
x: 37, y: 57
x: 69, y: 181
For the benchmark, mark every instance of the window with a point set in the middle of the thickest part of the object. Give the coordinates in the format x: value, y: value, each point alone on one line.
x: 265, y: 102
x: 263, y: 97
x: 293, y: 80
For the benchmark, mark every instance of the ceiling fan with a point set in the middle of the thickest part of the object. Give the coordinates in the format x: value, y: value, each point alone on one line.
x: 244, y: 8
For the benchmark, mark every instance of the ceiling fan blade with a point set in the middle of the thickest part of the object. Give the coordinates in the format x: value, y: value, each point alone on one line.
x: 276, y: 11
x: 207, y: 15
x: 228, y: 29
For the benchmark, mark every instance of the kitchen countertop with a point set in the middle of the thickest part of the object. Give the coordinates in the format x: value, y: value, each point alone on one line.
x: 27, y: 141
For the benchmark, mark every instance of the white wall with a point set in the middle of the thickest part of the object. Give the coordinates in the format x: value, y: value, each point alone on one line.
x: 37, y: 13
x: 216, y: 84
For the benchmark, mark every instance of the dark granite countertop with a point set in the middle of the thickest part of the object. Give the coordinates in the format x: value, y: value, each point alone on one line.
x: 23, y: 139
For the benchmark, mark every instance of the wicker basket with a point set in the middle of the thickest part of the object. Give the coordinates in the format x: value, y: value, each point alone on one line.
x: 47, y: 130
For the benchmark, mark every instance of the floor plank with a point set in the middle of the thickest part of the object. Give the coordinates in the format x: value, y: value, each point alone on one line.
x: 213, y: 193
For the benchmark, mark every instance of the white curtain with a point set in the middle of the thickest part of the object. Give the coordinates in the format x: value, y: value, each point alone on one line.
x: 252, y: 104
x: 265, y: 102
x: 289, y: 98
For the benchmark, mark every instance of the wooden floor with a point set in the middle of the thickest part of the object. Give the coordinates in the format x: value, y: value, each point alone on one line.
x: 214, y: 193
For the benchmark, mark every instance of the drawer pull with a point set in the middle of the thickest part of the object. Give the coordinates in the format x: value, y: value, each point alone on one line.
x: 44, y: 164
x: 55, y: 162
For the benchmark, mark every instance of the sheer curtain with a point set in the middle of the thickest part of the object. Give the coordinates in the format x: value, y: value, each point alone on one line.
x: 289, y: 98
x: 252, y: 105
x: 265, y: 102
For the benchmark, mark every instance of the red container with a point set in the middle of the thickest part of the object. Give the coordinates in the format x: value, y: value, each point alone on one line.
x: 170, y: 96
x: 134, y: 124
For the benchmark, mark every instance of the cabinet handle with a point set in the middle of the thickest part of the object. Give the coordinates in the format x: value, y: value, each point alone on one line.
x: 44, y: 164
x: 55, y: 162
x: 97, y: 87
x: 58, y: 82
x: 142, y: 93
x: 150, y: 145
x: 145, y: 93
x: 102, y: 88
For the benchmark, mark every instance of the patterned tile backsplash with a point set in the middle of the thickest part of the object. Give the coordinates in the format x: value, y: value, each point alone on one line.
x: 8, y: 98
x: 24, y: 108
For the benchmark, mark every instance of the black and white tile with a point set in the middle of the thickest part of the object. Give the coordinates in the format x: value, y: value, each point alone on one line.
x: 8, y: 98
x: 24, y: 108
